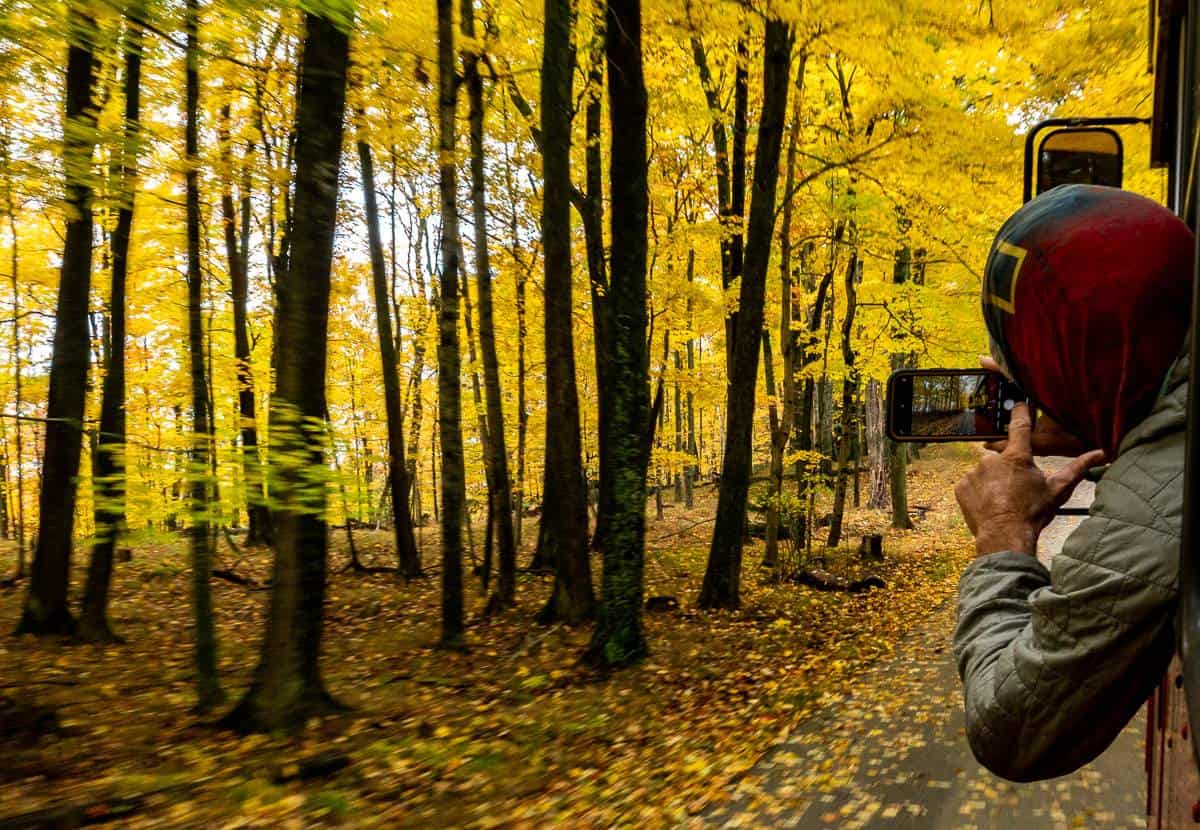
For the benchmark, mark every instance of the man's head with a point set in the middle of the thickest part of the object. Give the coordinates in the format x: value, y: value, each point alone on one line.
x: 1087, y: 298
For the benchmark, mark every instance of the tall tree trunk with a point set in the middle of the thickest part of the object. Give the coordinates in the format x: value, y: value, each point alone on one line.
x: 778, y: 425
x: 692, y: 469
x: 257, y: 513
x: 287, y: 687
x: 846, y: 428
x: 678, y: 424
x: 782, y: 428
x: 500, y: 494
x: 564, y: 530
x: 591, y: 209
x: 521, y: 279
x: 522, y: 405
x: 45, y: 610
x: 109, y: 463
x: 877, y: 489
x: 722, y: 577
x: 481, y: 425
x: 712, y: 97
x: 449, y: 362
x: 736, y: 215
x: 18, y: 402
x: 897, y: 460
x: 618, y: 638
x: 408, y: 558
x: 200, y: 494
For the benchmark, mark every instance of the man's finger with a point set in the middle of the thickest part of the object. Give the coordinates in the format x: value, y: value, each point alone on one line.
x: 1020, y: 431
x: 996, y: 446
x: 990, y: 364
x: 1071, y: 474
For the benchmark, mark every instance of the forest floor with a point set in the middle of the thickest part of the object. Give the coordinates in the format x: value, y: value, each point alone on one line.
x: 513, y: 733
x: 891, y: 753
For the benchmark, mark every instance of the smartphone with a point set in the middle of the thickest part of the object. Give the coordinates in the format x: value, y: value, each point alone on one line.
x: 950, y: 405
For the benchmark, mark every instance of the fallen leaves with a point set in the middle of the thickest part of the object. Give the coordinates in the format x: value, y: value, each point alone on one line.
x: 514, y: 733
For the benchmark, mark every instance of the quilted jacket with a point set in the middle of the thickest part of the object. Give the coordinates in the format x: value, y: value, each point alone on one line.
x: 1055, y: 663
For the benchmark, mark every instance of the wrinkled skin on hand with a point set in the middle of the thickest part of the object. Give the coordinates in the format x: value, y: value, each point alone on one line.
x: 1007, y: 501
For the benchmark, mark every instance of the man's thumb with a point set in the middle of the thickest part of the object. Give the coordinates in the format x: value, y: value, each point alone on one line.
x: 1074, y: 471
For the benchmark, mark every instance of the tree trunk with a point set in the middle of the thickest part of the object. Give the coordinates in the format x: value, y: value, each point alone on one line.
x: 46, y: 610
x: 825, y: 416
x: 618, y: 639
x: 522, y: 406
x: 481, y: 424
x: 257, y: 513
x: 678, y: 424
x: 449, y: 362
x: 591, y: 210
x: 109, y: 463
x: 897, y: 459
x: 564, y: 528
x: 775, y: 476
x: 287, y: 687
x: 735, y: 220
x: 722, y: 577
x: 500, y: 496
x: 408, y: 559
x: 783, y: 427
x: 522, y: 275
x: 877, y: 490
x: 692, y: 469
x: 200, y: 498
x: 846, y: 426
x: 18, y: 402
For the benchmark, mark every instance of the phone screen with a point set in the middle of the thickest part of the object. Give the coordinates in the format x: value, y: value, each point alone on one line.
x: 950, y: 404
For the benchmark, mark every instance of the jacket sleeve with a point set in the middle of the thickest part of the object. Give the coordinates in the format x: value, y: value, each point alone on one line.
x: 1054, y: 664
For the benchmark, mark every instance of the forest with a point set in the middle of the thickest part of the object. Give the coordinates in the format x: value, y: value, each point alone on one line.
x: 472, y: 413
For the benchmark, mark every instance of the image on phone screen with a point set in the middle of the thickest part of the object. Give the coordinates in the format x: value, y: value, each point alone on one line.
x: 948, y: 405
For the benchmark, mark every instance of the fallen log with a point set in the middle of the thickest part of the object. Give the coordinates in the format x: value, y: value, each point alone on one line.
x: 230, y: 575
x: 825, y: 581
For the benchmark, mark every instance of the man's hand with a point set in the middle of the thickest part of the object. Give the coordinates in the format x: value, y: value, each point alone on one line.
x: 1007, y: 500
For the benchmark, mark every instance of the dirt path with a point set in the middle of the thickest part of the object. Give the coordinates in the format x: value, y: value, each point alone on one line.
x: 893, y: 755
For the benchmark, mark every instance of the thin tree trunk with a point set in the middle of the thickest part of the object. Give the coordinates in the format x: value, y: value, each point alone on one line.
x: 722, y: 577
x: 692, y: 469
x: 563, y: 537
x: 877, y: 489
x: 287, y: 687
x: 408, y: 559
x: 522, y: 405
x: 481, y: 425
x: 200, y: 533
x: 46, y: 610
x: 857, y: 442
x: 736, y: 216
x: 678, y: 425
x: 500, y: 493
x: 18, y: 403
x: 846, y: 427
x: 109, y: 463
x: 897, y: 472
x: 257, y: 513
x: 449, y: 362
x: 619, y: 638
x: 591, y: 211
x: 778, y: 426
x: 782, y: 428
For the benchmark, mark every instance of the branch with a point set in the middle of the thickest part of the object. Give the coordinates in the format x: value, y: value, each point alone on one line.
x: 827, y: 166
